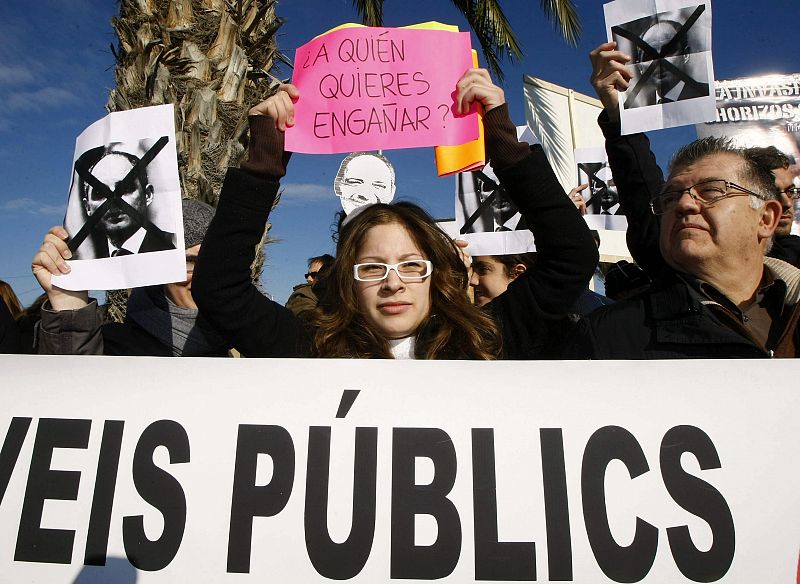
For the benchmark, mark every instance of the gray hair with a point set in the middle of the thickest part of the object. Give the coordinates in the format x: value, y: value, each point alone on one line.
x: 751, y: 172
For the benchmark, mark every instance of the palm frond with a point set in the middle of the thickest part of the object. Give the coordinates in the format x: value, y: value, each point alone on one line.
x: 564, y: 16
x: 494, y: 32
x: 495, y: 20
x: 370, y: 11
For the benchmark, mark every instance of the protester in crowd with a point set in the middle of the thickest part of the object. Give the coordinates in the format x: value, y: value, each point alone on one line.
x: 491, y: 274
x: 702, y: 236
x: 785, y: 246
x: 8, y: 296
x: 10, y: 311
x: 9, y: 333
x: 160, y: 320
x: 304, y: 297
x: 27, y: 323
x: 717, y: 295
x: 636, y: 173
x: 316, y: 265
x: 397, y: 286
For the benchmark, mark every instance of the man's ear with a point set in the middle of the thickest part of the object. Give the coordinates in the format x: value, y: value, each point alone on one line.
x: 770, y: 216
x: 518, y: 270
x: 148, y: 194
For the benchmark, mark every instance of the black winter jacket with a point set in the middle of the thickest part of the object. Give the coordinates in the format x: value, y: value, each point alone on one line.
x: 531, y: 314
x: 673, y: 321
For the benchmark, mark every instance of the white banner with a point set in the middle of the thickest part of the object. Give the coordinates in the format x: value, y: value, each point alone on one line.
x: 224, y: 470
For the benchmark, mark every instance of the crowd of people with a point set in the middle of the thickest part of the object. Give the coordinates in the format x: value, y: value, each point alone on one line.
x: 716, y: 272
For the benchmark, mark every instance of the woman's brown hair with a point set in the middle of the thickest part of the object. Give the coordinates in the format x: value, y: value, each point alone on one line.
x: 455, y: 328
x: 7, y: 295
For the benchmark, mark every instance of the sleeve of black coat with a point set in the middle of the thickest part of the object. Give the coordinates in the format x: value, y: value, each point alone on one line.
x: 537, y: 302
x: 638, y: 179
x: 221, y: 285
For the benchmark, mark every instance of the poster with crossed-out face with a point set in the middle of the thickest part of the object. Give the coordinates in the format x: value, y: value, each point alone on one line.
x: 600, y: 197
x: 669, y: 42
x: 124, y: 211
x: 485, y: 214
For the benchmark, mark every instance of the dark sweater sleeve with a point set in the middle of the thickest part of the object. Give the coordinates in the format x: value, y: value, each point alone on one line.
x: 638, y: 179
x: 222, y: 286
x: 566, y: 252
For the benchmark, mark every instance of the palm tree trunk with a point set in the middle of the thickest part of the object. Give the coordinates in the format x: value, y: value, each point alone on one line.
x: 212, y: 59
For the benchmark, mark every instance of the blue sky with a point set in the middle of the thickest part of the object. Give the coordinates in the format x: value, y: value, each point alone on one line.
x: 57, y: 68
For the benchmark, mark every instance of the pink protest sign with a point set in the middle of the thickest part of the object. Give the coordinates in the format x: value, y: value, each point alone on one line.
x: 367, y: 88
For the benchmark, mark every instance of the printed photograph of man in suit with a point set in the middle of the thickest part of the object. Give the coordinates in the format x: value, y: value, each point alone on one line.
x: 481, y: 192
x: 125, y: 227
x: 668, y: 57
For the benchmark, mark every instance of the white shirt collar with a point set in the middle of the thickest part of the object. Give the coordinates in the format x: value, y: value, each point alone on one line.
x: 132, y: 244
x: 675, y: 93
x: 402, y: 348
x: 511, y: 224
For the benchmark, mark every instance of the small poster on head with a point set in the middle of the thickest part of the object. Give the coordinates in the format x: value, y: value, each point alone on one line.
x: 124, y: 214
x: 669, y: 42
x: 600, y: 197
x: 364, y: 178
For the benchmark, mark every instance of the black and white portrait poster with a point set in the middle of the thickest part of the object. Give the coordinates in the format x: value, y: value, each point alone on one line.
x: 485, y: 215
x: 124, y: 214
x: 761, y: 111
x: 669, y: 42
x: 600, y: 197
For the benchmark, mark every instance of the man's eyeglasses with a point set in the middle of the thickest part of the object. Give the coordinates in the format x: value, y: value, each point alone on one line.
x: 792, y: 192
x: 411, y: 270
x: 706, y: 193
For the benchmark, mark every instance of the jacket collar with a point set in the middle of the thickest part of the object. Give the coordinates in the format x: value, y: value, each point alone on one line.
x: 789, y: 274
x: 678, y: 316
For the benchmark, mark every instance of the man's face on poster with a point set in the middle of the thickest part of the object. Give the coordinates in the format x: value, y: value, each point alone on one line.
x: 116, y: 223
x: 658, y: 36
x: 365, y: 180
x: 502, y: 207
x: 604, y: 189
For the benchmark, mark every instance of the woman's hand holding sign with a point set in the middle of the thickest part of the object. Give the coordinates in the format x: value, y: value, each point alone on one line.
x: 476, y: 85
x: 280, y: 106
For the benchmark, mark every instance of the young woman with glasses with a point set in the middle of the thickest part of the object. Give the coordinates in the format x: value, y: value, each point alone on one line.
x: 397, y: 288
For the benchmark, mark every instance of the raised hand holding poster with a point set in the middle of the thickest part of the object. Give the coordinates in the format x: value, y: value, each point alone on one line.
x: 669, y: 43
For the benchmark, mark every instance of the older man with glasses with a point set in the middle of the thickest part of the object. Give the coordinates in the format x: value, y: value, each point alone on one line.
x: 638, y: 177
x: 717, y: 295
